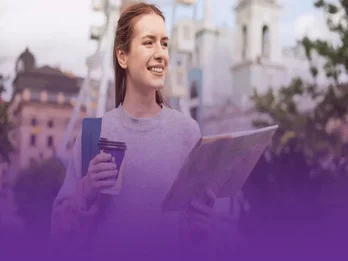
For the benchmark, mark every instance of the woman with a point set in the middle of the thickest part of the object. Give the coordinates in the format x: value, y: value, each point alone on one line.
x: 158, y: 140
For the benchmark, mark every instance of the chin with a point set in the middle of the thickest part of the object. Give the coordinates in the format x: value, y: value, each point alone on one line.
x: 159, y: 85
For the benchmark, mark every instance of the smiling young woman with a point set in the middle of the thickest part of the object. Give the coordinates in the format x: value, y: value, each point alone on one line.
x: 137, y: 54
x: 158, y: 141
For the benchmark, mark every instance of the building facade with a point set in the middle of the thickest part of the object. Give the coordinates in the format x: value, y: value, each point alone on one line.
x: 235, y: 61
x: 40, y: 108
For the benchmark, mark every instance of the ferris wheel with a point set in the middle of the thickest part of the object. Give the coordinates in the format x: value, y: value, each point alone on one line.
x: 101, y: 60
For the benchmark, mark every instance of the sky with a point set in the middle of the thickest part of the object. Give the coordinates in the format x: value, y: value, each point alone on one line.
x: 57, y: 32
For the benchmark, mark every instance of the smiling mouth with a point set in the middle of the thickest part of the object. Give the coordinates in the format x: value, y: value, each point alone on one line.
x: 156, y: 69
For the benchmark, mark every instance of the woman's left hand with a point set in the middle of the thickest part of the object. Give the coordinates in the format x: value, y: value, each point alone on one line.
x: 201, y: 216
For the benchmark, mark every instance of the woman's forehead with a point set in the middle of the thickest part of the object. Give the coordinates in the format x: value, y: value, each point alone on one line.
x: 150, y: 25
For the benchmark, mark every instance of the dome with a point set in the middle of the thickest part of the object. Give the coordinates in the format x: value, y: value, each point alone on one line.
x: 25, y: 62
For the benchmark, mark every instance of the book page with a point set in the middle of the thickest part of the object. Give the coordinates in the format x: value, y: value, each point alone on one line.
x: 222, y: 163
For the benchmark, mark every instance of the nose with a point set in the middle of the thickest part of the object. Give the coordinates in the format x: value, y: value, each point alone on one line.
x: 160, y: 53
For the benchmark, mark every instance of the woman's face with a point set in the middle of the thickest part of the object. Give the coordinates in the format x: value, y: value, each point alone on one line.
x: 147, y: 60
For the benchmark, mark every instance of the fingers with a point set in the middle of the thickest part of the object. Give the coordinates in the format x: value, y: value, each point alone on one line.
x: 196, y: 218
x: 201, y: 208
x: 101, y: 157
x: 210, y: 198
x: 202, y: 216
x: 105, y: 175
x: 198, y: 222
x: 102, y: 162
x: 104, y: 166
x: 102, y: 180
x: 103, y: 184
x: 200, y: 226
x: 207, y: 207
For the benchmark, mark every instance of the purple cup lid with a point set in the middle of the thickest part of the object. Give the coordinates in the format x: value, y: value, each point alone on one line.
x: 107, y: 144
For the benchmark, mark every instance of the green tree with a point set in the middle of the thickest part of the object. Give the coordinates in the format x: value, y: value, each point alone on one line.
x: 308, y: 160
x: 34, y: 193
x: 6, y: 126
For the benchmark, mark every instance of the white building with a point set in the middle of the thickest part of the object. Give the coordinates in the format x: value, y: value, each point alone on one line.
x: 257, y: 57
x: 236, y: 60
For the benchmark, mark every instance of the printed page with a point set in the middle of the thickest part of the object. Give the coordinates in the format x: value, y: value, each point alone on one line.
x: 222, y: 163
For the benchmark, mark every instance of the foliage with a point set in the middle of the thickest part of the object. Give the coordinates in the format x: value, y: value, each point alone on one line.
x: 6, y: 126
x: 35, y: 191
x: 320, y: 133
x: 308, y: 161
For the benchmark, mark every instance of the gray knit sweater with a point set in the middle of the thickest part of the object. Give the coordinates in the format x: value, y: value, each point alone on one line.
x: 132, y: 221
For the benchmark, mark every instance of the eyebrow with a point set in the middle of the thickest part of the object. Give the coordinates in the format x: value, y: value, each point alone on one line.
x: 152, y: 37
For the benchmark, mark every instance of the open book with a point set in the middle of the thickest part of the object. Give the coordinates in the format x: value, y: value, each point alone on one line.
x: 221, y: 162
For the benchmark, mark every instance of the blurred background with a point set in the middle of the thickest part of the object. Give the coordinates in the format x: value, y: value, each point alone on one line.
x: 235, y: 65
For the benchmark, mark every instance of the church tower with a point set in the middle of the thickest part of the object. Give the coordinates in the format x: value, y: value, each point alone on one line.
x: 206, y: 37
x: 257, y: 52
x: 25, y: 62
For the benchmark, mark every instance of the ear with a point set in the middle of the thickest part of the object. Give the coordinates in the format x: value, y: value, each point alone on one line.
x: 122, y: 58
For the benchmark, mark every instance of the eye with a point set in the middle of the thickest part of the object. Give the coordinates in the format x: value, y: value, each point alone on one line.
x: 147, y: 43
x: 165, y: 44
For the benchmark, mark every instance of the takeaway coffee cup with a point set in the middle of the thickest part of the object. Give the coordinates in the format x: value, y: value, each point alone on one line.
x: 117, y: 150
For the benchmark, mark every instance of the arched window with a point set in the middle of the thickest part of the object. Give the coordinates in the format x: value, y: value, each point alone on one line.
x: 197, y: 55
x: 193, y: 91
x: 265, y: 41
x: 34, y: 122
x: 50, y: 123
x: 244, y: 41
x: 194, y: 97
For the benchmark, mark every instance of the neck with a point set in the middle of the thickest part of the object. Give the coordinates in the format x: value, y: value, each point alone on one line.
x: 139, y: 105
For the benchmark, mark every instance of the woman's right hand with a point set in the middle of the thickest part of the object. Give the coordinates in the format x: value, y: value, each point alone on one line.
x: 102, y: 173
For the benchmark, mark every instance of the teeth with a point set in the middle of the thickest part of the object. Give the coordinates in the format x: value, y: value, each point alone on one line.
x: 155, y: 69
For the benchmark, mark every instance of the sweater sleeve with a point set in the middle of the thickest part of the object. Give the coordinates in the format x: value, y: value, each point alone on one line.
x: 71, y: 214
x: 193, y: 134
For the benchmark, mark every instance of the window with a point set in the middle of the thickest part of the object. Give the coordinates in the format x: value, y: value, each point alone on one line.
x: 194, y: 112
x: 52, y: 97
x: 33, y: 122
x: 197, y: 55
x: 49, y: 141
x: 265, y: 41
x: 190, y: 58
x: 245, y: 41
x: 32, y: 161
x: 180, y: 78
x: 20, y: 66
x: 50, y: 124
x: 32, y: 140
x: 35, y: 96
x: 71, y: 97
x: 194, y: 91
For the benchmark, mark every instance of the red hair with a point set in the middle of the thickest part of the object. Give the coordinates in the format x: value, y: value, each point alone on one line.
x: 123, y: 38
